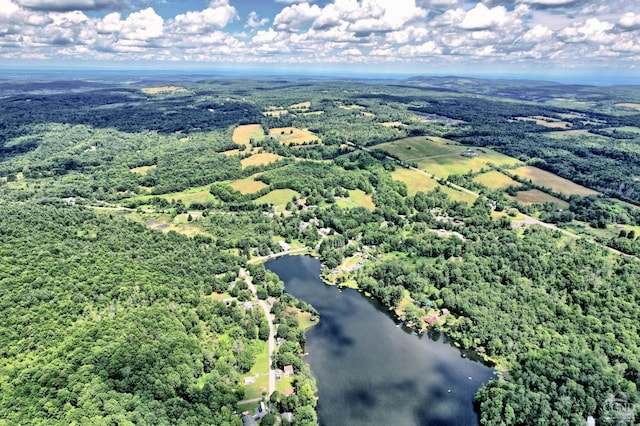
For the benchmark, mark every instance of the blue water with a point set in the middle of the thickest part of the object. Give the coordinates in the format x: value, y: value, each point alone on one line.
x: 369, y: 371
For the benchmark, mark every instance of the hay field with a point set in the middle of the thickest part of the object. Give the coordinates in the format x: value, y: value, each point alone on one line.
x: 293, y: 135
x: 243, y: 134
x: 414, y: 180
x: 534, y: 196
x: 631, y: 105
x: 248, y: 185
x: 162, y: 89
x: 420, y: 147
x: 445, y: 165
x: 357, y: 198
x: 495, y: 180
x: 393, y: 124
x: 259, y: 159
x: 278, y: 197
x: 552, y: 123
x: 301, y: 105
x: 549, y: 180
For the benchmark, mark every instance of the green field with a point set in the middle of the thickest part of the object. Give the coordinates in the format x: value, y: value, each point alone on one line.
x: 549, y: 180
x: 248, y: 185
x: 414, y: 180
x: 534, y: 196
x: 259, y: 159
x: 495, y: 180
x: 357, y: 198
x: 420, y: 147
x: 279, y: 198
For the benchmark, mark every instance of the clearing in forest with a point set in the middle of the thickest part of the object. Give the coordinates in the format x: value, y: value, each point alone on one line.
x: 629, y: 105
x: 142, y: 170
x: 357, y: 198
x: 393, y: 124
x: 248, y: 185
x: 420, y: 147
x: 495, y: 180
x: 274, y: 111
x: 259, y: 159
x: 301, y: 105
x: 550, y: 122
x: 549, y: 180
x: 242, y: 135
x: 535, y: 196
x: 417, y: 181
x: 292, y: 135
x: 278, y: 197
x: 162, y: 89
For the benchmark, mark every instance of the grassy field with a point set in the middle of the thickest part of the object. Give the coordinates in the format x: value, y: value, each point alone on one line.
x: 445, y: 165
x: 414, y: 180
x: 564, y: 134
x: 420, y: 147
x: 243, y: 134
x: 350, y: 107
x: 393, y: 124
x: 259, y: 159
x: 162, y: 89
x: 248, y: 185
x: 279, y: 198
x: 198, y: 194
x: 495, y: 180
x: 549, y: 180
x: 417, y: 181
x: 301, y: 105
x: 357, y: 198
x: 142, y: 170
x: 534, y: 196
x: 293, y: 135
x: 629, y: 105
x: 552, y: 123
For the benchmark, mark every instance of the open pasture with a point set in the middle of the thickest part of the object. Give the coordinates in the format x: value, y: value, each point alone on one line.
x: 631, y: 105
x: 259, y: 159
x: 162, y: 89
x: 278, y: 198
x: 420, y: 147
x: 242, y: 135
x: 414, y: 180
x: 301, y: 105
x: 293, y: 135
x: 445, y: 165
x: 248, y: 185
x: 546, y: 179
x: 552, y: 123
x: 357, y: 198
x: 495, y: 180
x: 535, y: 196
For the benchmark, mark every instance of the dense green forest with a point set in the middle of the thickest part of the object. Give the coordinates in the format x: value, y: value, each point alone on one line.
x: 131, y: 211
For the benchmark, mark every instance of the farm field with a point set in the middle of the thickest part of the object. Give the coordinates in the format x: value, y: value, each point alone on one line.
x: 357, y: 198
x: 629, y: 105
x: 552, y: 123
x: 301, y: 105
x: 278, y: 198
x: 199, y: 194
x: 248, y: 185
x: 417, y: 181
x: 259, y: 159
x: 495, y: 180
x: 420, y: 147
x: 242, y: 135
x: 543, y: 178
x: 162, y: 89
x: 293, y: 135
x: 535, y: 196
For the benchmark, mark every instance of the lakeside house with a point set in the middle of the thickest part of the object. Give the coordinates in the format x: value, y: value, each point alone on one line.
x: 288, y: 371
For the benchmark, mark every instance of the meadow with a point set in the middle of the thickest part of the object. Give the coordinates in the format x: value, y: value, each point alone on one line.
x: 259, y: 159
x: 549, y: 180
x: 292, y: 135
x: 535, y: 196
x: 242, y: 135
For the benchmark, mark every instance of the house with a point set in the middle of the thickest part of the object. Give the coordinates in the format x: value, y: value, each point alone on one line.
x: 431, y: 319
x: 289, y: 391
x: 288, y: 370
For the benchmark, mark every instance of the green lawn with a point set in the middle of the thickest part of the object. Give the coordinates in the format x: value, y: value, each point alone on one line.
x: 278, y: 197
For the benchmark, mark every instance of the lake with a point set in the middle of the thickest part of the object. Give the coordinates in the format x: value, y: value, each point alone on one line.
x: 369, y: 370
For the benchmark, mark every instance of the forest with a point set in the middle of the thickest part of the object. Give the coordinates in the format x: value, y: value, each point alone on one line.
x: 134, y: 213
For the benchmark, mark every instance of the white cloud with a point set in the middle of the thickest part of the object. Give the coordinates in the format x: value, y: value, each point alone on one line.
x: 537, y: 33
x: 630, y: 21
x: 8, y: 9
x: 481, y: 17
x: 254, y: 21
x: 369, y: 15
x: 592, y: 30
x: 425, y: 49
x: 217, y: 16
x: 549, y: 2
x: 294, y: 18
x: 143, y: 25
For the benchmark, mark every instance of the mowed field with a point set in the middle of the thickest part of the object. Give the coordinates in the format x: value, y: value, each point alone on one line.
x: 417, y: 181
x: 259, y: 159
x: 278, y: 197
x: 441, y: 157
x: 543, y: 178
x: 248, y: 185
x: 495, y: 180
x: 242, y: 135
x: 293, y: 135
x: 357, y: 198
x: 535, y: 196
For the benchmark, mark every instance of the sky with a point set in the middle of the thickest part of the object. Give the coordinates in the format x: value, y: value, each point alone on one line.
x: 527, y: 37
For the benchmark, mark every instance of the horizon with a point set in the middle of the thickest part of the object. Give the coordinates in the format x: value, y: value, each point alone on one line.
x: 558, y: 40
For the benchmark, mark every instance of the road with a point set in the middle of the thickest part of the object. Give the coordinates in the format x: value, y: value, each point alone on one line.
x: 272, y: 334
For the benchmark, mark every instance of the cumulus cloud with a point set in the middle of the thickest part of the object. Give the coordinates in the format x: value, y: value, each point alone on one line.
x: 70, y: 5
x: 482, y: 18
x: 551, y: 3
x: 592, y: 30
x: 143, y: 25
x: 217, y: 16
x: 629, y: 21
x: 254, y: 21
x: 294, y: 18
x: 537, y: 33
